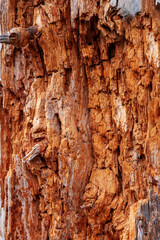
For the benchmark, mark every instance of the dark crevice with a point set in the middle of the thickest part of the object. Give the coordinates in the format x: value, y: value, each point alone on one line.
x: 57, y: 171
x: 37, y: 197
x: 116, y: 3
x: 125, y: 205
x: 43, y: 160
x: 98, y: 4
x: 104, y: 26
x: 142, y: 157
x: 67, y: 79
x: 118, y: 74
x: 21, y: 116
x: 104, y: 168
x: 93, y: 33
x: 150, y: 89
x: 41, y: 53
x: 119, y: 171
x: 96, y: 64
x: 111, y: 50
x: 58, y: 123
x: 16, y: 10
x: 40, y: 76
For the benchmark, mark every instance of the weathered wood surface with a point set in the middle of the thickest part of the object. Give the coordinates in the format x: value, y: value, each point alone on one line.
x: 80, y: 121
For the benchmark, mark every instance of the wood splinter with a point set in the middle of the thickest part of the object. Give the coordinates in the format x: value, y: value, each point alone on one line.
x: 38, y: 149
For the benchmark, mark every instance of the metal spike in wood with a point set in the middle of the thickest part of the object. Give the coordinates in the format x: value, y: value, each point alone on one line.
x: 20, y: 37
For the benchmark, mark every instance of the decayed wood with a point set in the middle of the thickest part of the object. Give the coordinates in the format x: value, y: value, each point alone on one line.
x: 79, y: 115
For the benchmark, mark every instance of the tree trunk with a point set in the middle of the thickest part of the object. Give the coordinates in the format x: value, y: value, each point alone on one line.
x: 80, y: 121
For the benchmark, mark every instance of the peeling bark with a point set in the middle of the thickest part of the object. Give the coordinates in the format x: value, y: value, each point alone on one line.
x: 79, y: 121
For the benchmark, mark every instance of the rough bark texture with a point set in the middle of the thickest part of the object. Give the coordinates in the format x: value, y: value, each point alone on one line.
x: 80, y: 122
